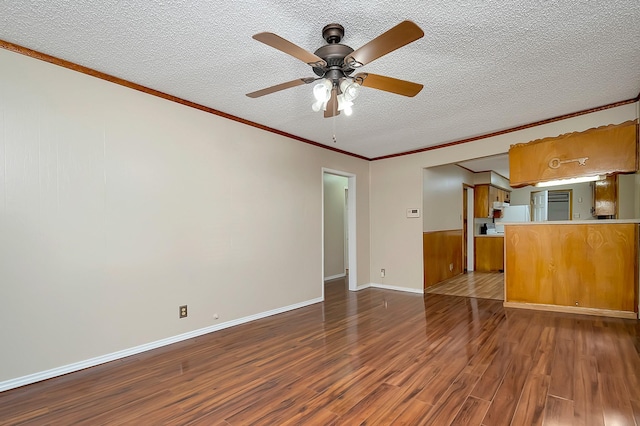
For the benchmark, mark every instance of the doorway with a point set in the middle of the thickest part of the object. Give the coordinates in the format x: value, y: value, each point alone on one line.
x: 348, y: 236
x: 468, y: 227
x: 556, y: 204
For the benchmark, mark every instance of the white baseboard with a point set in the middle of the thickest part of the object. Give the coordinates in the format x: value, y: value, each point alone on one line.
x: 70, y: 368
x: 363, y: 286
x: 392, y: 287
x: 335, y: 277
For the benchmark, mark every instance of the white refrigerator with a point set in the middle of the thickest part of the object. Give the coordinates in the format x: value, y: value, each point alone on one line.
x: 513, y: 214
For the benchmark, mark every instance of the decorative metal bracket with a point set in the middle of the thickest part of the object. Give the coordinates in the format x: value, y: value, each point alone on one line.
x: 554, y: 163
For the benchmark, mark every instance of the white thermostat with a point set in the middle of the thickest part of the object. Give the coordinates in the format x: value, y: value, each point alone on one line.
x: 413, y: 212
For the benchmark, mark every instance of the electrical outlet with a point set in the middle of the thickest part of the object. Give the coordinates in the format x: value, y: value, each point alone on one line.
x: 183, y: 311
x: 382, y: 273
x: 216, y: 316
x: 451, y: 267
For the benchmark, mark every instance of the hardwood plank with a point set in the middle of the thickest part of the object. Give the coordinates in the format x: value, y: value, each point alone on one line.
x: 562, y: 370
x: 530, y: 409
x: 492, y: 377
x: 472, y: 412
x: 504, y: 403
x: 616, y: 406
x: 412, y: 414
x: 452, y: 400
x: 635, y: 406
x: 587, y: 398
x: 558, y: 411
x: 544, y: 354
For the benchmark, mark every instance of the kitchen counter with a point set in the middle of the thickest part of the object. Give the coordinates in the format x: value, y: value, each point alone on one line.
x: 489, y: 235
x: 575, y: 222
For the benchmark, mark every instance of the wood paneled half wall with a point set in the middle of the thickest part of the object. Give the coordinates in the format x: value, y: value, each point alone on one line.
x: 441, y: 250
x: 582, y: 268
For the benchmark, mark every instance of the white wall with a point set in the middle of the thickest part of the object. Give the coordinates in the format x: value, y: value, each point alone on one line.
x: 396, y: 183
x: 116, y: 207
x: 581, y: 191
x: 442, y: 197
x: 628, y: 196
x: 334, y: 224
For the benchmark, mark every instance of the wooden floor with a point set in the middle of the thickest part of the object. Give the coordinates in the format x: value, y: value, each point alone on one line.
x: 376, y: 356
x: 485, y: 285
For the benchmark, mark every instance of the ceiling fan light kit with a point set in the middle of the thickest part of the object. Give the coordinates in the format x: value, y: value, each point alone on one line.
x: 334, y: 63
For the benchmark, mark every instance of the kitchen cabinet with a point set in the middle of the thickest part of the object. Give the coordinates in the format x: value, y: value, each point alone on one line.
x: 481, y: 201
x: 484, y: 196
x: 599, y: 151
x: 605, y: 197
x: 489, y: 253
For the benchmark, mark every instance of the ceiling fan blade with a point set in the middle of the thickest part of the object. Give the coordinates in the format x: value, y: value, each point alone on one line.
x: 289, y: 48
x: 400, y: 35
x: 332, y: 104
x: 282, y: 86
x: 388, y: 84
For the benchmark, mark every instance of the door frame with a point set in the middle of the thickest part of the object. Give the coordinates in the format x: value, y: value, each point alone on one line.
x: 469, y: 191
x: 351, y: 227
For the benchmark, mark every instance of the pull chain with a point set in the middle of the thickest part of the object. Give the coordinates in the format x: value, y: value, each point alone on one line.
x: 334, y: 128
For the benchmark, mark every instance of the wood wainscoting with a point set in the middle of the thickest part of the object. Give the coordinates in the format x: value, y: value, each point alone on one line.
x: 440, y: 250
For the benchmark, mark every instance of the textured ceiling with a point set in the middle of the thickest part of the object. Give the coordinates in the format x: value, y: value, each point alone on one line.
x: 486, y: 65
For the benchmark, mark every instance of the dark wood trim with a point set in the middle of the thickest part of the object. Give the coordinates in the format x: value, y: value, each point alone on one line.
x: 463, y: 167
x: 103, y: 76
x: 513, y: 129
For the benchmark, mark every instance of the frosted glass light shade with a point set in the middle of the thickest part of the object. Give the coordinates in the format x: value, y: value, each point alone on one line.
x: 318, y: 105
x: 350, y: 89
x: 322, y: 90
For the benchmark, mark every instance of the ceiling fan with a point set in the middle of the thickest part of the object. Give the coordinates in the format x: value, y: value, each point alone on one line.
x: 334, y: 63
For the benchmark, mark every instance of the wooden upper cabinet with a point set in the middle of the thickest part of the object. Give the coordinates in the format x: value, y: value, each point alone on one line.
x: 484, y: 196
x: 481, y: 201
x: 605, y: 197
x: 600, y: 151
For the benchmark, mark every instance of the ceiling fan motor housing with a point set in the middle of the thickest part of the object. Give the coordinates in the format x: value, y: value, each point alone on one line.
x: 333, y: 55
x: 333, y: 33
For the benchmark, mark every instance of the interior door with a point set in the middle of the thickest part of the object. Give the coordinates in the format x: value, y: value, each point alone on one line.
x: 539, y: 201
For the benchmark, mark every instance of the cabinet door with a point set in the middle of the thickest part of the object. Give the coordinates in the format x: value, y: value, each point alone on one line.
x: 481, y: 201
x: 489, y: 253
x: 493, y: 195
x: 605, y: 196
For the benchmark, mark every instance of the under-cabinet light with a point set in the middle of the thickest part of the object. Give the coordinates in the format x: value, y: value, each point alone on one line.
x: 568, y: 181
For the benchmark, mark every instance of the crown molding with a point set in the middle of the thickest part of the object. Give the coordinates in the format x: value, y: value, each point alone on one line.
x: 513, y: 129
x: 116, y: 80
x: 110, y: 78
